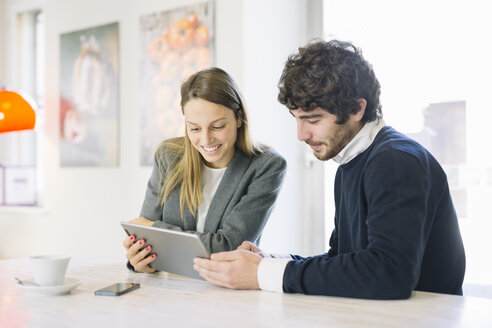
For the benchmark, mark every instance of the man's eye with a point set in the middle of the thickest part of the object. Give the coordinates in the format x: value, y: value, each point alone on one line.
x: 218, y: 127
x: 313, y: 122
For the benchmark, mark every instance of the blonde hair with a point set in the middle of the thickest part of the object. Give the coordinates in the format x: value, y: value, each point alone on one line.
x: 213, y: 85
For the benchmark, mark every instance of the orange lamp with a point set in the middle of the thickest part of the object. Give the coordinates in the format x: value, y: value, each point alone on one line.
x: 16, y: 113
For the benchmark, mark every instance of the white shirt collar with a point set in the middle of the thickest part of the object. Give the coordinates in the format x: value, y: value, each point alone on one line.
x: 362, y: 140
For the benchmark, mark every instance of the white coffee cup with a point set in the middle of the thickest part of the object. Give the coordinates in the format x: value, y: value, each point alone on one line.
x: 49, y: 270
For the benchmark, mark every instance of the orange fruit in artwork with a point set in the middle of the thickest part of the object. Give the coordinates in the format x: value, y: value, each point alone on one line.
x: 189, y: 56
x: 170, y: 66
x: 177, y: 102
x: 158, y: 47
x: 156, y: 80
x: 163, y: 96
x: 203, y: 58
x: 170, y: 123
x: 187, y: 71
x: 180, y: 35
x: 201, y: 35
x: 193, y: 19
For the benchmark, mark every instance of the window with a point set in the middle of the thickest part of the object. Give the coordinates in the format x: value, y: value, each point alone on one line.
x: 432, y: 60
x: 21, y: 153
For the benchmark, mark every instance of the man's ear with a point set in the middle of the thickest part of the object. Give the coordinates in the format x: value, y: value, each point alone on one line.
x: 362, y: 109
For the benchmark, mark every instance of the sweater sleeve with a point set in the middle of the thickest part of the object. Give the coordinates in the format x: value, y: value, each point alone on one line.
x: 395, y: 187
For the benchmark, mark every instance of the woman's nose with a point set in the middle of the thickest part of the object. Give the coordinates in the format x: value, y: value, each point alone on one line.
x: 207, y: 138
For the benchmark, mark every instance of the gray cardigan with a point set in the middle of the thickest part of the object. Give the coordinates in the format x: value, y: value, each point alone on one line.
x: 241, y: 205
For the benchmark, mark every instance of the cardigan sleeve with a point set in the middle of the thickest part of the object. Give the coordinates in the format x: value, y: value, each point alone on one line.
x: 165, y: 159
x: 395, y: 186
x: 151, y: 207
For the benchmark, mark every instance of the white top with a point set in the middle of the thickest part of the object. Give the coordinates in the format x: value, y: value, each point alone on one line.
x: 210, y: 182
x: 360, y: 142
x: 271, y: 270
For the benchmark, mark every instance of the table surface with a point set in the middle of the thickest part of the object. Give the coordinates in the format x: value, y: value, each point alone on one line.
x: 171, y: 300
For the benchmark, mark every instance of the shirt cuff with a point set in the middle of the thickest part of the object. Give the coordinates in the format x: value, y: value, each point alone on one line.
x: 271, y: 274
x: 281, y: 256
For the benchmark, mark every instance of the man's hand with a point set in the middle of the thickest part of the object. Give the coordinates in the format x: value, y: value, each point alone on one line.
x: 236, y: 269
x: 249, y: 246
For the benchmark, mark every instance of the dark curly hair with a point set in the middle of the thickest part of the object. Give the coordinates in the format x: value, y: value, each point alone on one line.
x: 331, y: 75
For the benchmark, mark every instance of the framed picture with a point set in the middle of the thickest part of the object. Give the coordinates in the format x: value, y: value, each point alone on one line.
x: 89, y: 97
x: 174, y: 45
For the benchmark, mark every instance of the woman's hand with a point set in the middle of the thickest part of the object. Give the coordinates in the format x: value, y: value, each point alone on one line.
x: 142, y: 221
x: 137, y: 252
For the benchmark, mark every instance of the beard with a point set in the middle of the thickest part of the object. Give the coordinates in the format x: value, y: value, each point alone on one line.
x: 339, y: 139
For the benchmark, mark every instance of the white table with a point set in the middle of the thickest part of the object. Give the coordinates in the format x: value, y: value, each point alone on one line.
x: 167, y: 300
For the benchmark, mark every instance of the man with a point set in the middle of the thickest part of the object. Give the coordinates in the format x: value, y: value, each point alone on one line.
x: 396, y: 229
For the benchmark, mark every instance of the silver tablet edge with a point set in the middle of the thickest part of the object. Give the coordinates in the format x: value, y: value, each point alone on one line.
x: 123, y: 223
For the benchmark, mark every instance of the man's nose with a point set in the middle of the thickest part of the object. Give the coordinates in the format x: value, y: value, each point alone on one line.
x: 303, y: 133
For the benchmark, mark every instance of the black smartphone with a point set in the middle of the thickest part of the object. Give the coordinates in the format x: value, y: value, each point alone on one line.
x: 117, y: 289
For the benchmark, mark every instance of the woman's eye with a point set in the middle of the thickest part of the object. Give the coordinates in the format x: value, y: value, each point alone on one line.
x: 194, y: 129
x: 218, y: 127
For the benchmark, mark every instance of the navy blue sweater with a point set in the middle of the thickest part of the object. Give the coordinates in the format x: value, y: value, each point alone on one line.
x: 396, y: 229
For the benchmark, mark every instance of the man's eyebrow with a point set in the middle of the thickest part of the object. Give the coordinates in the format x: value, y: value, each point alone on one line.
x: 307, y: 116
x: 310, y: 116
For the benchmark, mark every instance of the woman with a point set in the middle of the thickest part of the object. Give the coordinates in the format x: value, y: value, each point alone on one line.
x: 213, y: 182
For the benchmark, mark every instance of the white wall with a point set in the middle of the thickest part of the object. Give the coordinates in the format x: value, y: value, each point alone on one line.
x: 272, y: 31
x: 2, y: 41
x: 83, y: 206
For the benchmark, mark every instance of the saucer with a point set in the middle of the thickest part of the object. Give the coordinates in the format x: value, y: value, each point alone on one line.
x: 68, y: 285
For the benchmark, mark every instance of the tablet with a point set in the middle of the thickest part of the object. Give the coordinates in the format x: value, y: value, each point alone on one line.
x: 175, y: 249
